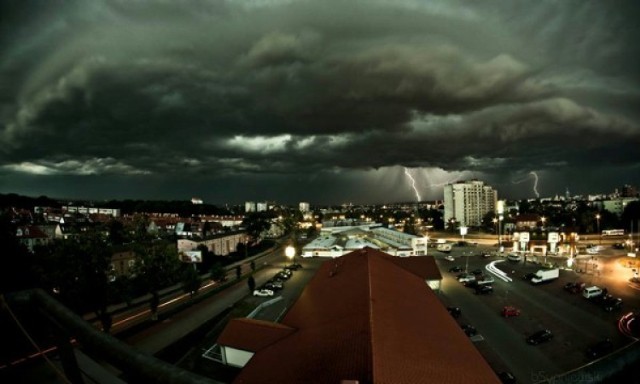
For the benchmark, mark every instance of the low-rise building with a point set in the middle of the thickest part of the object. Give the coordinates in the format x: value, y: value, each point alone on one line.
x: 31, y: 236
x: 220, y: 244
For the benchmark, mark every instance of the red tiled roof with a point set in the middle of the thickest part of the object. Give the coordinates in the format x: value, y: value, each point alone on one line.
x: 31, y: 232
x: 422, y: 266
x: 363, y: 317
x: 252, y: 335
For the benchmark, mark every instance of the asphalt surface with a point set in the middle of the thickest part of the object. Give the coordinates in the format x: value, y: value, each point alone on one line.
x: 576, y: 322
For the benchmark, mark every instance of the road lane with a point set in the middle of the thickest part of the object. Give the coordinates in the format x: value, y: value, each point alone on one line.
x: 507, y: 343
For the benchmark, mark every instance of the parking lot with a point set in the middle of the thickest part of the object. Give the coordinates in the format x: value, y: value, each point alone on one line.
x: 576, y: 323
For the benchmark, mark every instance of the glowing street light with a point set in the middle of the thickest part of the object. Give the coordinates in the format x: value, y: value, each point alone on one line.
x: 599, y: 233
x: 290, y: 253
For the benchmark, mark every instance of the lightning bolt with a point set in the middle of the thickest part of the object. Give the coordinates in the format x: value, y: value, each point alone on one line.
x: 413, y: 183
x: 535, y: 182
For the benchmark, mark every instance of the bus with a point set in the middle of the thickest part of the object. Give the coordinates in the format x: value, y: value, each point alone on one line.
x: 613, y: 232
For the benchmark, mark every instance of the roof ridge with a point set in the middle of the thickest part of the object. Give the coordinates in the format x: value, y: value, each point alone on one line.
x: 366, y: 253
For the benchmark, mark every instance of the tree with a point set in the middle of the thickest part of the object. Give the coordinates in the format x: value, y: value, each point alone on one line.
x: 238, y: 272
x: 156, y: 267
x: 77, y: 271
x: 116, y: 231
x: 488, y: 221
x: 140, y: 225
x: 255, y: 224
x: 252, y: 265
x: 251, y: 282
x: 190, y: 280
x: 17, y: 270
x: 631, y: 216
x: 218, y: 273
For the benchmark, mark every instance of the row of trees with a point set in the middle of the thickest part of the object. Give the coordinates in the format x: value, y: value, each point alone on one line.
x: 78, y: 271
x: 582, y: 216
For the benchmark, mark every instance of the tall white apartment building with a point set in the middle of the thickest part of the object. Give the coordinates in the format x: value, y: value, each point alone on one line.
x: 468, y: 201
x: 262, y: 206
x: 250, y: 206
x: 303, y: 207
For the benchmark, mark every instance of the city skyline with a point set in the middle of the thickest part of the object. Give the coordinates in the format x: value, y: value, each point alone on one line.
x: 366, y: 102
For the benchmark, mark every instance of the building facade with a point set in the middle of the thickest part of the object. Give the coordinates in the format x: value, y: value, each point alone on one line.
x: 221, y: 244
x: 467, y: 202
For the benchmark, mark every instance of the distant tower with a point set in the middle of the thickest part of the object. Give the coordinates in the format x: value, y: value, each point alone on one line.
x: 250, y: 206
x: 303, y: 207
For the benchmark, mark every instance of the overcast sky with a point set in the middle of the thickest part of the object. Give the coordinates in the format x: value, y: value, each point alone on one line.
x: 322, y: 101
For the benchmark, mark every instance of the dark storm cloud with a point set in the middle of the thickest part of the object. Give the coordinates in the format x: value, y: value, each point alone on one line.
x: 222, y: 90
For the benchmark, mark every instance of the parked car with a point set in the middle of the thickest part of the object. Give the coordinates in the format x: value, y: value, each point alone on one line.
x: 471, y: 284
x: 263, y: 292
x: 449, y: 258
x: 599, y: 349
x: 611, y: 304
x: 283, y: 275
x: 277, y: 283
x: 574, y: 287
x: 510, y: 311
x: 529, y: 276
x: 469, y: 330
x: 295, y: 266
x: 484, y: 290
x: 454, y: 311
x: 477, y: 271
x: 484, y: 280
x: 486, y: 254
x: 456, y: 268
x: 273, y: 286
x: 514, y: 257
x: 592, y: 291
x: 540, y: 337
x: 466, y: 278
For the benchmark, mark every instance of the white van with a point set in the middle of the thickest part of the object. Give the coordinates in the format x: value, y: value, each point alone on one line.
x: 592, y: 291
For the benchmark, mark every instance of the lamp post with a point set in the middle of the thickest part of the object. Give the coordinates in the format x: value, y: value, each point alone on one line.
x: 290, y: 253
x: 466, y: 264
x: 598, y: 223
x: 500, y: 218
x: 543, y: 219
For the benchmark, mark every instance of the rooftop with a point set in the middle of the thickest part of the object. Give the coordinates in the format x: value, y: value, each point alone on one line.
x: 366, y: 316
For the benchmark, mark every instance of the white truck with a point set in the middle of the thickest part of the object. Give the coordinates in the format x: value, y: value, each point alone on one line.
x: 545, y: 275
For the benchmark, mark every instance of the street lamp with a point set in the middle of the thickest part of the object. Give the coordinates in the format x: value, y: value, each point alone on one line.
x: 466, y: 265
x: 500, y: 218
x: 543, y: 219
x: 599, y: 233
x: 290, y: 252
